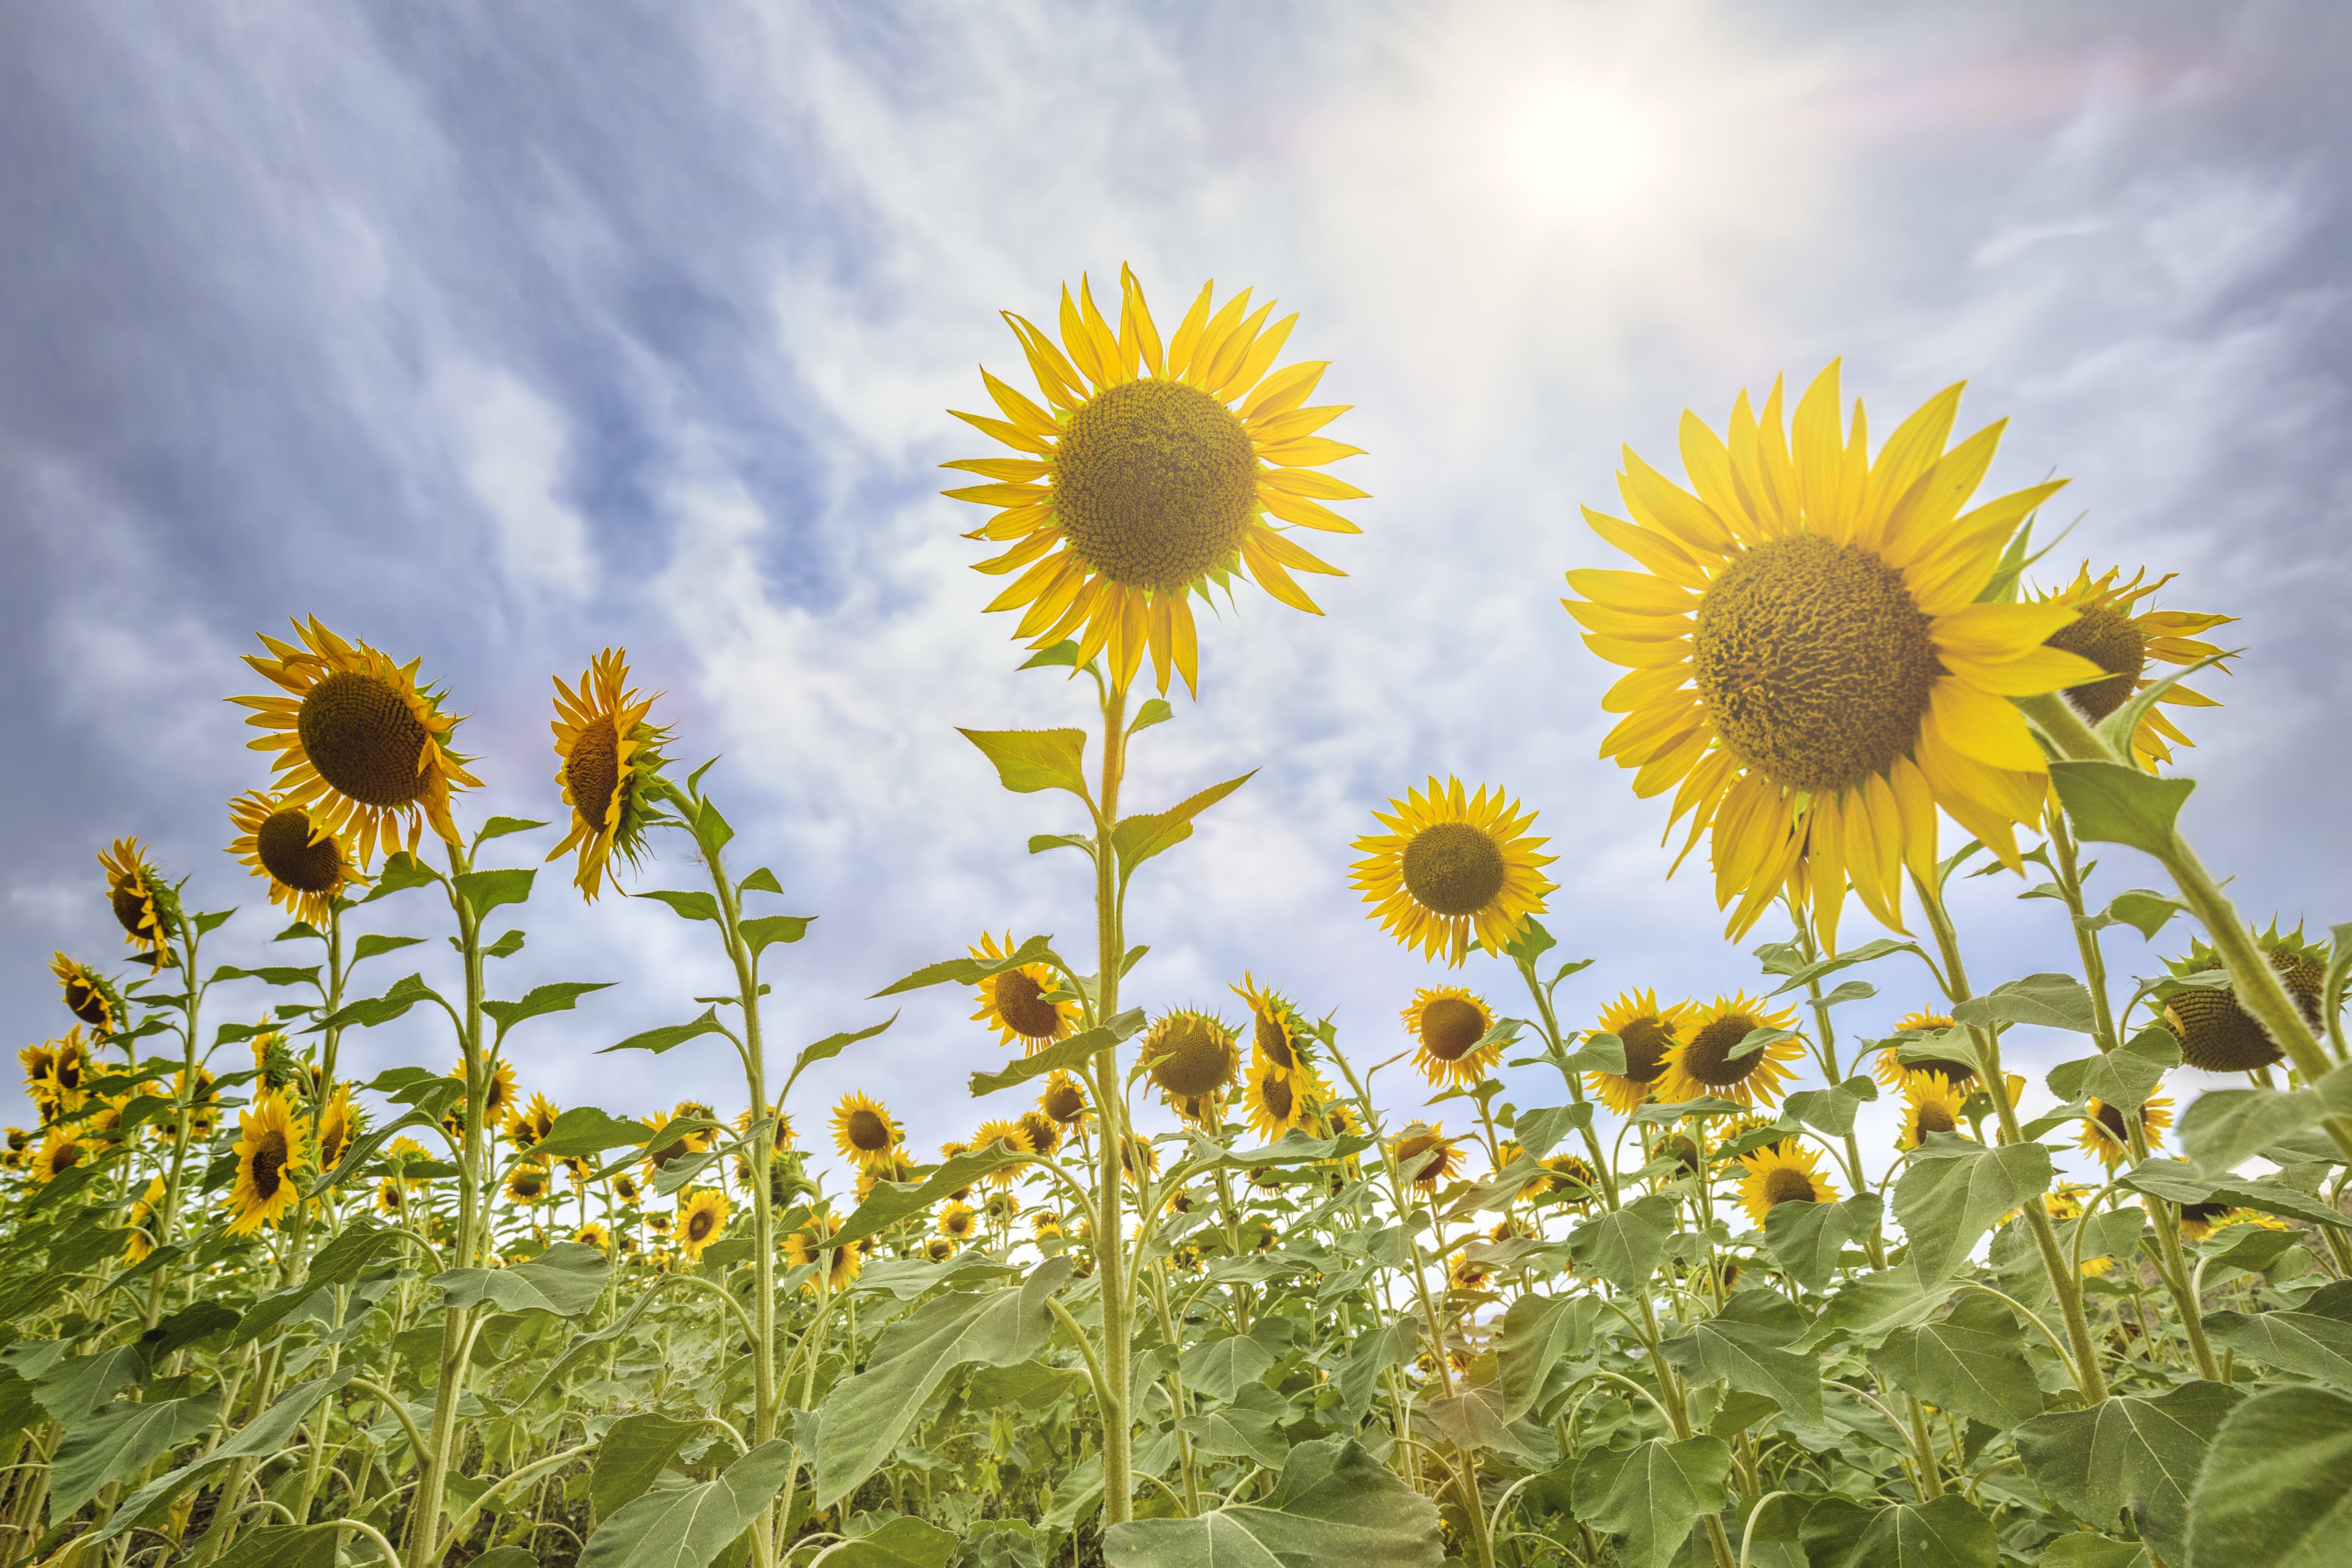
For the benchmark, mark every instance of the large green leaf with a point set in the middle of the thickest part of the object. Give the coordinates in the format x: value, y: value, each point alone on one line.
x: 1538, y: 1332
x: 2177, y: 1180
x: 2053, y: 1001
x: 1373, y: 1353
x: 1334, y: 1507
x: 634, y: 1451
x: 1063, y: 1055
x: 1946, y: 1534
x: 115, y: 1442
x: 891, y: 1202
x: 2272, y: 1490
x: 1809, y: 1240
x: 2123, y: 1077
x: 1624, y: 1245
x: 2222, y: 1128
x: 1249, y: 1428
x: 584, y: 1129
x: 1222, y: 1367
x: 1138, y: 838
x: 899, y: 1542
x: 1745, y: 1346
x: 256, y: 1439
x: 485, y: 891
x: 541, y: 1000
x: 1969, y: 1363
x: 1870, y: 1307
x: 290, y: 1546
x: 2114, y: 802
x: 566, y: 1279
x: 1831, y: 1109
x: 1954, y: 1192
x: 2128, y: 1452
x: 1651, y: 1493
x: 1030, y: 760
x: 687, y: 1527
x: 2315, y: 1341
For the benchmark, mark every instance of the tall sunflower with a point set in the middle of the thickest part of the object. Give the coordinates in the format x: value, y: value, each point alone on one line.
x: 1275, y: 1027
x: 1453, y: 867
x: 2106, y: 1137
x: 1648, y: 1032
x: 1783, y: 1173
x: 862, y: 1131
x: 1013, y: 1134
x: 272, y: 1145
x: 291, y: 848
x: 701, y: 1220
x: 89, y: 995
x: 1700, y: 1062
x: 1191, y: 1054
x: 144, y: 907
x: 1146, y: 484
x: 1813, y: 673
x: 1013, y: 1001
x: 360, y: 744
x: 1045, y: 1133
x: 498, y: 1100
x: 2122, y: 643
x: 609, y: 750
x: 1446, y: 1024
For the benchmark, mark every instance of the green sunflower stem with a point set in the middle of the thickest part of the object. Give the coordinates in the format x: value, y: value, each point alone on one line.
x: 1557, y: 1045
x: 1118, y: 1481
x: 2065, y: 1283
x: 159, y: 1284
x: 1826, y: 1037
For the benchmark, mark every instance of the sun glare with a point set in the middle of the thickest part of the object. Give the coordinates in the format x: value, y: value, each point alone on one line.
x: 1578, y: 151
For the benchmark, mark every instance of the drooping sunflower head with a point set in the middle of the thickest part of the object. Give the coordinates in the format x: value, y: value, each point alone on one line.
x: 702, y: 1220
x: 1647, y: 1031
x: 360, y: 744
x: 2106, y: 1136
x: 1425, y: 1156
x: 1708, y: 1057
x: 1278, y: 1101
x: 1063, y: 1100
x: 1889, y: 1067
x: 1045, y: 1133
x: 1452, y: 868
x: 862, y: 1131
x: 1815, y: 669
x: 272, y: 1147
x: 2114, y: 632
x: 1931, y: 1103
x: 61, y: 1151
x: 1014, y: 1001
x: 145, y: 907
x: 1447, y: 1024
x: 88, y: 996
x: 958, y: 1222
x: 340, y: 1121
x: 290, y: 846
x: 1783, y: 1173
x: 2216, y: 1033
x: 1278, y: 1038
x: 1152, y: 477
x: 1191, y: 1054
x: 608, y: 763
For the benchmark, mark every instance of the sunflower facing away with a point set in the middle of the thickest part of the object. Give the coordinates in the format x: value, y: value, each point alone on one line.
x: 2106, y: 1138
x: 1152, y: 477
x: 1700, y: 1062
x: 360, y: 744
x: 2122, y: 644
x: 1648, y: 1032
x: 1811, y: 671
x: 292, y: 850
x: 1452, y: 868
x: 701, y: 1220
x: 1783, y: 1173
x: 1889, y: 1069
x: 1446, y: 1024
x: 1190, y: 1055
x: 143, y: 907
x: 607, y: 751
x: 273, y: 1144
x: 2217, y: 1034
x: 1930, y: 1104
x: 862, y: 1131
x: 1013, y: 1001
x: 88, y: 996
x: 1274, y: 1029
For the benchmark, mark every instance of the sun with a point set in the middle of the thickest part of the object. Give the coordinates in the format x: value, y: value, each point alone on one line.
x: 1576, y: 150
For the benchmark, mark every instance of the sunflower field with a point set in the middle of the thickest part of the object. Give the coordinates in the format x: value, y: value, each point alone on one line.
x: 261, y: 1311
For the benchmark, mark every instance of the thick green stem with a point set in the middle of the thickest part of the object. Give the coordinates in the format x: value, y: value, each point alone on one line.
x: 1110, y: 1260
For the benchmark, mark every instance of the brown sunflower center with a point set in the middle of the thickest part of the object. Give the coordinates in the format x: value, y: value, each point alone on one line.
x: 1452, y: 869
x: 1272, y: 1037
x: 1813, y: 661
x: 2111, y: 1117
x: 1786, y: 1184
x: 2107, y: 637
x: 1708, y: 1057
x: 363, y: 740
x: 269, y: 1164
x: 2202, y: 1214
x: 959, y: 1224
x: 2216, y: 1034
x: 1063, y: 1102
x: 592, y: 770
x: 1647, y: 1040
x: 1155, y: 482
x: 68, y: 1071
x: 1191, y: 1056
x: 86, y: 1002
x: 131, y: 909
x: 526, y: 1187
x: 1953, y: 1072
x: 1044, y: 1132
x: 1274, y: 1090
x: 701, y: 1224
x: 1450, y: 1026
x: 1020, y: 1002
x: 289, y: 853
x: 867, y: 1131
x: 1935, y: 1116
x: 331, y: 1139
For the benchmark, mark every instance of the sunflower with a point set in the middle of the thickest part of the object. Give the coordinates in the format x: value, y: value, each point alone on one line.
x: 1785, y: 1172
x: 528, y: 1184
x: 68, y: 1072
x: 625, y: 1189
x: 892, y: 1167
x: 1453, y: 867
x: 141, y: 1241
x: 685, y: 1143
x: 958, y: 1221
x: 1013, y: 1001
x: 36, y: 1061
x: 1191, y: 1054
x: 1468, y: 1276
x: 498, y: 1100
x: 1569, y: 1176
x: 1139, y: 1157
x: 1891, y: 1071
x: 2122, y: 643
x: 1063, y: 1100
x: 390, y: 1198
x: 339, y: 1123
x: 147, y: 911
x: 938, y: 1249
x: 2198, y: 1221
x: 60, y: 1153
x: 1001, y: 1208
x: 701, y: 1218
x: 804, y: 1245
x: 2106, y: 1138
x: 1275, y: 1026
x: 593, y: 1235
x: 1449, y: 1023
x: 1425, y: 1156
x: 862, y: 1131
x: 1145, y: 484
x: 2218, y: 1034
x: 292, y: 848
x: 1278, y: 1101
x: 1812, y: 670
x: 272, y: 1143
x: 533, y: 1122
x: 1931, y: 1103
x: 1015, y: 1138
x: 1045, y: 1133
x: 200, y: 1097
x: 1700, y: 1062
x: 608, y: 752
x: 89, y: 995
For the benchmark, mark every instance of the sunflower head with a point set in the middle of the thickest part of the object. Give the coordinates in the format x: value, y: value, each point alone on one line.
x: 88, y: 996
x: 1425, y: 1156
x: 1569, y: 1177
x: 292, y: 847
x: 2114, y: 632
x: 2198, y: 1221
x: 702, y: 1220
x: 1447, y: 1024
x: 958, y: 1222
x: 1063, y: 1100
x: 1191, y: 1054
x: 862, y: 1131
x: 1045, y: 1133
x: 145, y: 907
x: 1014, y: 1135
x: 1278, y: 1038
x: 1014, y: 1001
x: 529, y: 1185
x: 1152, y: 477
x: 1468, y: 1275
x: 2218, y: 1034
x: 593, y: 1235
x: 391, y: 1197
x: 1783, y: 1173
x: 608, y: 763
x: 60, y: 1153
x: 531, y: 1121
x: 624, y: 1188
x: 1452, y: 868
x: 1278, y: 1101
x: 1706, y: 1059
x: 1647, y: 1031
x: 272, y: 1147
x: 360, y: 746
x: 1931, y: 1103
x: 141, y: 1240
x: 1889, y: 1067
x: 2106, y: 1136
x: 340, y: 1121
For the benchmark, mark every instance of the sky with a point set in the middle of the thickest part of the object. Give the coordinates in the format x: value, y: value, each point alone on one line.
x: 495, y: 338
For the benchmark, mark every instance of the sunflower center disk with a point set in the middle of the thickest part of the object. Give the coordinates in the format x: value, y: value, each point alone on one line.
x: 268, y: 1161
x: 1937, y: 1117
x: 1646, y: 1040
x: 1785, y: 1185
x: 1452, y: 869
x: 1019, y: 1001
x: 593, y: 771
x: 1709, y: 1057
x: 1155, y: 482
x: 361, y: 736
x: 2112, y: 1118
x: 2107, y: 637
x: 1192, y: 1060
x: 868, y: 1131
x: 2216, y: 1034
x: 699, y: 1226
x: 1063, y: 1102
x: 1273, y: 1041
x: 288, y: 854
x: 129, y: 907
x: 1278, y: 1097
x: 1450, y: 1027
x: 1814, y: 662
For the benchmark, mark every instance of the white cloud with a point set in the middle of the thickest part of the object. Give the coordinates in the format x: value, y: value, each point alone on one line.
x: 510, y: 447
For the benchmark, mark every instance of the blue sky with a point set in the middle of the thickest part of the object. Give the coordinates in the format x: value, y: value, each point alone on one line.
x: 497, y: 337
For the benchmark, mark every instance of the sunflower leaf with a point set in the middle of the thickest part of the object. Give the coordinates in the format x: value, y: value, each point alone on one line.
x: 1062, y: 655
x: 1063, y: 1055
x: 832, y: 1045
x: 2129, y: 1452
x: 691, y: 906
x: 499, y: 827
x: 1948, y: 1533
x: 1624, y: 1245
x: 966, y: 971
x: 372, y: 943
x: 1809, y: 1240
x: 485, y: 891
x: 1805, y: 974
x: 2178, y: 1182
x: 1138, y: 838
x: 1652, y: 1494
x: 891, y: 1202
x: 539, y: 1000
x: 2114, y: 802
x: 400, y: 873
x: 405, y: 992
x: 1831, y: 1109
x: 258, y: 1438
x: 1155, y: 711
x: 760, y: 881
x: 585, y: 1130
x: 1956, y: 1189
x: 2123, y: 1077
x: 2118, y: 728
x: 764, y: 931
x: 2143, y: 910
x: 2272, y: 1488
x: 566, y: 1280
x: 1041, y: 842
x: 1027, y: 761
x: 688, y: 1527
x: 662, y: 1040
x: 2222, y: 1128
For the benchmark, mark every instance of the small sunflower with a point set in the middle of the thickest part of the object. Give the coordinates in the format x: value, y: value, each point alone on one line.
x: 141, y: 1240
x: 498, y: 1100
x: 938, y: 1249
x: 1448, y: 1022
x: 2106, y: 1137
x: 1568, y: 1176
x: 2218, y: 1034
x: 340, y: 1121
x: 1931, y: 1103
x: 1191, y: 1054
x: 1425, y: 1156
x: 528, y: 1184
x: 60, y: 1153
x: 958, y: 1222
x: 292, y: 848
x: 1700, y: 1062
x: 1278, y: 1101
x: 67, y: 1073
x: 892, y: 1167
x: 1002, y: 1209
x: 36, y: 1061
x: 1045, y: 1133
x: 701, y: 1218
x: 593, y: 1235
x: 201, y: 1099
x: 389, y: 1197
x: 1468, y: 1276
x: 147, y: 911
x: 1013, y: 1135
x: 272, y: 1145
x: 1784, y: 1173
x: 360, y: 744
x: 1275, y: 1027
x: 862, y: 1131
x: 1452, y: 868
x: 685, y: 1143
x: 1648, y: 1032
x: 840, y: 1264
x: 2122, y: 643
x: 1139, y: 1157
x: 608, y: 751
x: 2198, y: 1221
x: 89, y: 995
x: 1813, y: 669
x: 1013, y: 1001
x: 1146, y: 484
x: 1063, y: 1100
x: 1890, y: 1069
x: 625, y: 1189
x: 532, y: 1123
